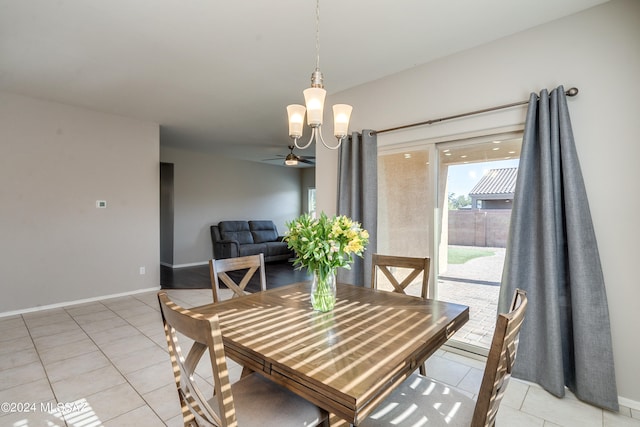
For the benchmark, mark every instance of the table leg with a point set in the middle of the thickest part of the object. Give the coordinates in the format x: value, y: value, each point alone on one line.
x: 245, y: 372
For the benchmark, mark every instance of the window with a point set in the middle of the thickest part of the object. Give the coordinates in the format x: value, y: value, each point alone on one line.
x: 311, y: 200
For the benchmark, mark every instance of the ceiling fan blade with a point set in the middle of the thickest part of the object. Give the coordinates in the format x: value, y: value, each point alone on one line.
x: 310, y: 160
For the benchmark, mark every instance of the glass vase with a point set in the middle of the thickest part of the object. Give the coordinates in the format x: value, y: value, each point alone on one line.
x: 323, y: 291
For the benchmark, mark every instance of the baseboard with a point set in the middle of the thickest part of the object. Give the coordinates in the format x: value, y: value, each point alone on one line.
x: 192, y: 264
x: 633, y: 404
x: 76, y: 302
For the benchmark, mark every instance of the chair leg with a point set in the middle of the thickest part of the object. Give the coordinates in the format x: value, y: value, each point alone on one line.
x: 423, y: 369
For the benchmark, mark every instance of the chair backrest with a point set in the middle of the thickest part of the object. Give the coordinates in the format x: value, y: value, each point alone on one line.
x: 384, y: 263
x: 218, y: 269
x: 205, y: 332
x: 502, y: 356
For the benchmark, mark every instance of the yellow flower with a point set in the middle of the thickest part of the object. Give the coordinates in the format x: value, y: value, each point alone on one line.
x: 354, y: 246
x: 325, y: 243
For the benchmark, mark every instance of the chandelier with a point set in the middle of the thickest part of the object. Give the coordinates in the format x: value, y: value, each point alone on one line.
x: 314, y: 100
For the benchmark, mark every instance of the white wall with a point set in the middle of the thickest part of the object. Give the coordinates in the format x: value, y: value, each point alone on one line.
x: 597, y: 51
x: 210, y: 188
x: 55, y: 162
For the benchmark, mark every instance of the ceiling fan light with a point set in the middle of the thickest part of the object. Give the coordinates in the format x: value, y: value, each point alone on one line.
x: 314, y: 99
x: 295, y: 112
x: 291, y: 160
x: 341, y: 116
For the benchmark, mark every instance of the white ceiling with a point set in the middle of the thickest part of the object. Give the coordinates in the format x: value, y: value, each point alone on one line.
x: 220, y: 73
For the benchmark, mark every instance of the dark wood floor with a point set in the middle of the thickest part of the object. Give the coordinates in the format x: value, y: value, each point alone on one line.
x: 277, y: 273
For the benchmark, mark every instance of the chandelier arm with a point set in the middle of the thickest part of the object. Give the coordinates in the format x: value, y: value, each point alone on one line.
x: 302, y: 147
x: 335, y: 147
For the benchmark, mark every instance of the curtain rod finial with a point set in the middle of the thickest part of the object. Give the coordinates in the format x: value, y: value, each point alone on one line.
x: 572, y: 91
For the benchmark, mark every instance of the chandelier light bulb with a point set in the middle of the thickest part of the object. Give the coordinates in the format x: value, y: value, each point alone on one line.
x: 341, y: 116
x: 296, y: 119
x: 314, y: 99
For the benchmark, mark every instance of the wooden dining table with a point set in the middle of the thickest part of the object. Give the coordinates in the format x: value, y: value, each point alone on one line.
x: 345, y: 361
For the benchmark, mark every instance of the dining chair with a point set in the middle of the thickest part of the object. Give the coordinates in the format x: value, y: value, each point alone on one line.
x: 251, y: 401
x: 420, y: 400
x: 386, y: 265
x: 218, y: 269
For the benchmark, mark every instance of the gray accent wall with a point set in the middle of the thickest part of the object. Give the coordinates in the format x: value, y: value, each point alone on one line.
x: 209, y: 188
x: 56, y: 161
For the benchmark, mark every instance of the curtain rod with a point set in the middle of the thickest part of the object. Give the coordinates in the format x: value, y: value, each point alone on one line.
x: 571, y: 92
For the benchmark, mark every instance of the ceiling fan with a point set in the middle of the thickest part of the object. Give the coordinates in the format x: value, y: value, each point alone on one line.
x: 292, y: 159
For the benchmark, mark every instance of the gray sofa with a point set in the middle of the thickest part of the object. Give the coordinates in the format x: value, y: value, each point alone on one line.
x: 241, y: 238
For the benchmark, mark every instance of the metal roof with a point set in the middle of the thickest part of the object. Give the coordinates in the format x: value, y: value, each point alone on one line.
x: 496, y: 181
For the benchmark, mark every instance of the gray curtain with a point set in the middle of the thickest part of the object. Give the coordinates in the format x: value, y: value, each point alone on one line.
x: 553, y: 255
x: 358, y: 197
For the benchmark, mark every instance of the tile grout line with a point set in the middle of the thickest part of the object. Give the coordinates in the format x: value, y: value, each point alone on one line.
x: 114, y: 366
x: 102, y: 352
x: 44, y: 369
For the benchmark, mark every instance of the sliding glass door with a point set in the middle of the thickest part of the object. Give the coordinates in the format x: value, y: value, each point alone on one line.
x: 405, y: 207
x: 480, y: 178
x: 456, y: 211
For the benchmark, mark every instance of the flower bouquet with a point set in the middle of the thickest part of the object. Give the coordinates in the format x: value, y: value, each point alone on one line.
x: 322, y: 245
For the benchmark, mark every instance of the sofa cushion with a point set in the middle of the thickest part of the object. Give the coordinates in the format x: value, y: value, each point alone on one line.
x: 236, y: 230
x: 263, y: 231
x: 252, y: 249
x: 262, y: 236
x: 277, y: 248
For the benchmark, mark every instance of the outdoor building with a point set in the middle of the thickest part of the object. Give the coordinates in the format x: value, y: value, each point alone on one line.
x: 495, y: 189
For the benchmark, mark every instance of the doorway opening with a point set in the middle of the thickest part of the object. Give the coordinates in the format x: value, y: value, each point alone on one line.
x: 166, y: 214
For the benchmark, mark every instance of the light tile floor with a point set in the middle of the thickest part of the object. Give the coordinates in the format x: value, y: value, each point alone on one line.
x: 105, y: 364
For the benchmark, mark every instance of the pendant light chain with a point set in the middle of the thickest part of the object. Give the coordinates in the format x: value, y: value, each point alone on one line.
x: 317, y: 34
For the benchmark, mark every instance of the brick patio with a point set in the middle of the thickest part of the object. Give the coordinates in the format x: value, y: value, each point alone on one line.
x: 482, y: 301
x: 475, y: 283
